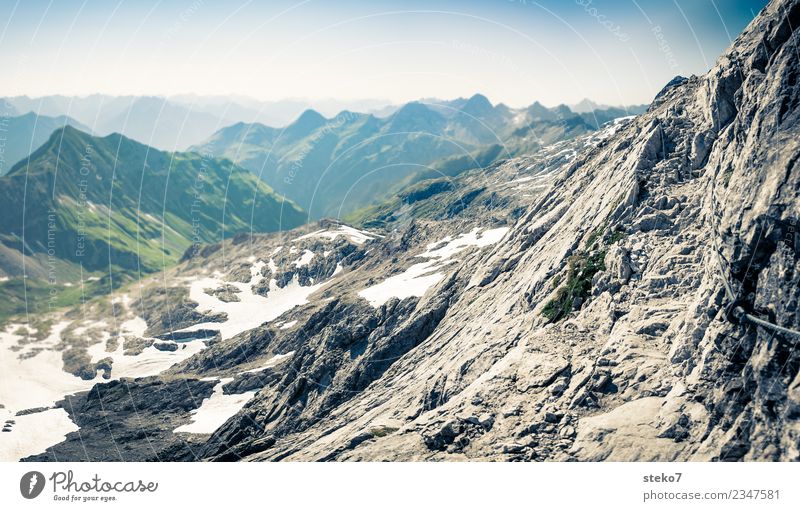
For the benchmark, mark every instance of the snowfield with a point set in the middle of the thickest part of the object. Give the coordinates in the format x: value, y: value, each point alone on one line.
x: 420, y: 277
x: 34, y: 377
x: 356, y: 236
x: 33, y: 433
x: 38, y: 380
x: 215, y: 410
x: 252, y: 310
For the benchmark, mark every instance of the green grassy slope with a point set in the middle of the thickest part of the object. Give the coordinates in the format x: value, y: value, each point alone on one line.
x: 111, y: 206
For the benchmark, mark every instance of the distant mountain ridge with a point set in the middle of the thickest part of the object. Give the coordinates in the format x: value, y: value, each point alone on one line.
x: 332, y: 167
x: 23, y: 134
x: 178, y: 122
x: 175, y: 122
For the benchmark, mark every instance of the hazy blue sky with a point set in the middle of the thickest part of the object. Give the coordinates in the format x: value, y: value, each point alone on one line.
x: 513, y: 51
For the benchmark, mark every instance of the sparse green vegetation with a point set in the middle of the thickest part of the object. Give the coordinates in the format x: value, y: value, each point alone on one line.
x: 726, y: 177
x: 37, y: 296
x: 382, y: 431
x: 595, y: 235
x: 582, y: 267
x: 616, y: 236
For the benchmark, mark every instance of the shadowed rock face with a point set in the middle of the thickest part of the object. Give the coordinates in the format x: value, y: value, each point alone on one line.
x: 600, y: 326
x: 130, y: 421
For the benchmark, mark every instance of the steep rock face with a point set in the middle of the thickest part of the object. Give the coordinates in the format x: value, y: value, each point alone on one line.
x: 648, y: 243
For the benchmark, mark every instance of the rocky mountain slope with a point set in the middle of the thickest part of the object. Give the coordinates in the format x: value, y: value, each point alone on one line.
x: 234, y: 313
x: 640, y: 234
x: 630, y: 295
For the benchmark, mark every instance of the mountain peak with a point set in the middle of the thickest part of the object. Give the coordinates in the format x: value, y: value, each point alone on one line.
x: 65, y: 136
x: 676, y: 81
x: 310, y: 117
x: 69, y: 130
x: 586, y: 105
x: 563, y: 110
x: 539, y: 111
x: 68, y: 143
x: 477, y: 105
x: 308, y: 121
x: 412, y: 107
x: 415, y: 116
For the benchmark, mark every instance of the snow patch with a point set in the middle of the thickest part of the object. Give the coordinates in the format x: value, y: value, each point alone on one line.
x: 33, y: 433
x: 135, y: 326
x: 415, y: 281
x: 474, y: 238
x: 150, y: 362
x: 304, y: 259
x: 356, y: 236
x: 420, y: 277
x: 89, y: 325
x: 609, y: 129
x: 288, y: 325
x: 215, y: 410
x: 252, y: 310
x: 271, y: 362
